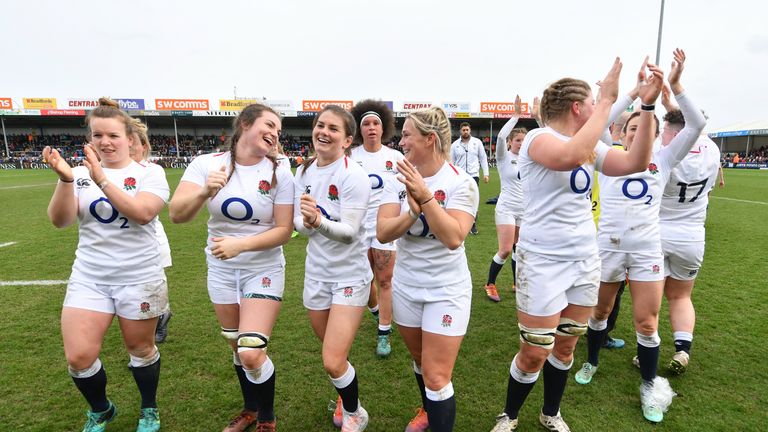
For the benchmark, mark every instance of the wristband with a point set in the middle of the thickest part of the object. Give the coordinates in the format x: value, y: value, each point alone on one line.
x: 430, y: 199
x: 66, y: 181
x: 413, y: 215
x: 103, y: 184
x: 650, y: 108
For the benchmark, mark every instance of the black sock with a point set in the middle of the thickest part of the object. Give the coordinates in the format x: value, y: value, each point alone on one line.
x: 493, y: 272
x: 649, y: 361
x: 441, y: 414
x: 517, y: 392
x: 376, y: 314
x: 94, y: 389
x: 349, y: 395
x: 248, y: 389
x: 265, y: 392
x: 513, y: 264
x: 683, y: 345
x: 422, y: 389
x: 147, y: 378
x: 614, y: 315
x: 384, y: 332
x: 554, y: 387
x: 595, y: 340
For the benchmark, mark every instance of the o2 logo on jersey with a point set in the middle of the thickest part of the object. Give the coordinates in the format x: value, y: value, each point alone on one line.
x: 420, y: 228
x: 376, y: 181
x: 581, y: 182
x: 102, y: 210
x: 239, y: 210
x: 636, y: 188
x: 325, y: 214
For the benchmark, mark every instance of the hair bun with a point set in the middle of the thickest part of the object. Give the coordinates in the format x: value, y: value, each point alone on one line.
x: 105, y: 101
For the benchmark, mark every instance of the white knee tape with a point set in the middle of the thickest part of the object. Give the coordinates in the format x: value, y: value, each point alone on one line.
x: 229, y: 334
x: 252, y: 341
x: 540, y: 337
x: 569, y: 327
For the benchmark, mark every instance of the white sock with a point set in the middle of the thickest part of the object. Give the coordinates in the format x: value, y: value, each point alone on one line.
x: 345, y: 379
x: 440, y: 395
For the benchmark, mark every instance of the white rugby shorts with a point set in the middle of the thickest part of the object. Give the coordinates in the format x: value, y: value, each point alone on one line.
x: 682, y: 260
x: 641, y: 266
x: 228, y: 286
x: 135, y: 302
x: 545, y: 286
x: 441, y: 310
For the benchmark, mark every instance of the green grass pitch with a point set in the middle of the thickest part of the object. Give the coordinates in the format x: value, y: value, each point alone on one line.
x: 724, y: 389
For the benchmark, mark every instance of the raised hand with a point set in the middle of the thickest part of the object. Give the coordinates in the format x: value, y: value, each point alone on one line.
x: 94, y: 166
x: 666, y: 100
x: 413, y: 181
x: 641, y: 77
x: 518, y: 105
x: 215, y: 181
x: 58, y: 164
x: 309, y: 211
x: 678, y: 64
x: 609, y: 86
x: 535, y: 109
x: 651, y: 88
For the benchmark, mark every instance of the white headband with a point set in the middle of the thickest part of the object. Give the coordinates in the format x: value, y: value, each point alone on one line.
x: 369, y: 114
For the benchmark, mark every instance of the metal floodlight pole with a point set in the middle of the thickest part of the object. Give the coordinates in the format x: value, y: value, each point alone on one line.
x: 5, y: 139
x: 658, y: 39
x: 490, y: 141
x: 176, y: 133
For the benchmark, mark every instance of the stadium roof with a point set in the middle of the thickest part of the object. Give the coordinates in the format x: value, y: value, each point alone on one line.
x: 759, y: 127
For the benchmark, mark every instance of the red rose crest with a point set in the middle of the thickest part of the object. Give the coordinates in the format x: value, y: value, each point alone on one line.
x: 348, y: 292
x: 388, y: 165
x: 264, y: 187
x: 655, y: 269
x: 333, y: 193
x: 653, y: 168
x: 266, y: 282
x: 144, y: 307
x: 447, y: 320
x: 440, y: 197
x: 129, y: 183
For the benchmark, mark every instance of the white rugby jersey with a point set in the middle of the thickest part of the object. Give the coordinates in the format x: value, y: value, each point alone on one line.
x: 162, y: 238
x: 511, y: 196
x: 244, y: 207
x: 423, y: 260
x: 684, y: 203
x: 379, y: 166
x: 557, y: 216
x: 337, y: 187
x: 112, y: 249
x: 629, y: 205
x: 283, y: 162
